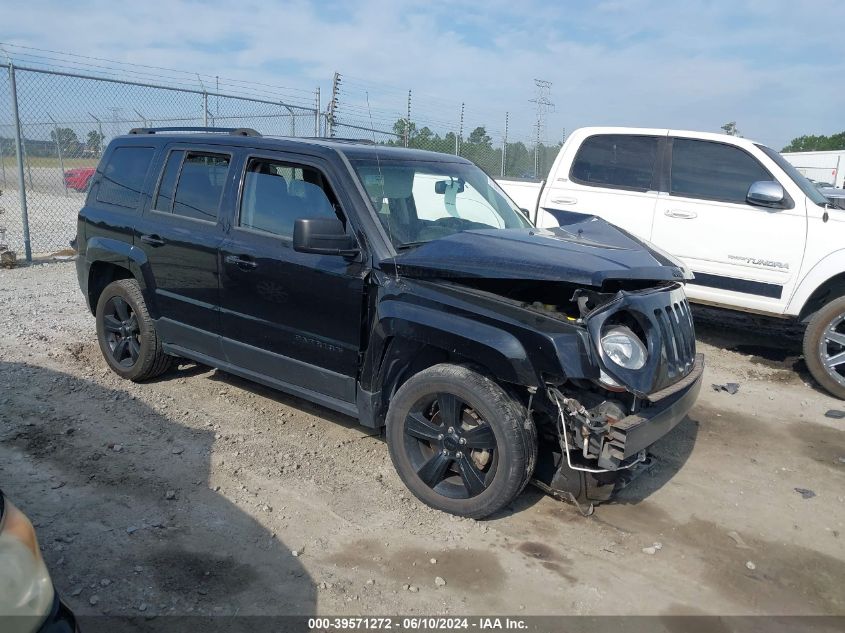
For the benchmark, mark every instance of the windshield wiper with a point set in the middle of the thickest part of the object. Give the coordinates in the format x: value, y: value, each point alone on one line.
x: 406, y: 245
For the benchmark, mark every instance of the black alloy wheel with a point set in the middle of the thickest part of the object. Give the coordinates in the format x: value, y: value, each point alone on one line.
x: 123, y: 334
x: 126, y: 333
x: 459, y: 441
x: 452, y: 449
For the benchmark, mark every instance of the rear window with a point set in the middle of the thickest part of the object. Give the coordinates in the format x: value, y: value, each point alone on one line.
x: 617, y: 161
x: 123, y: 176
x: 200, y: 184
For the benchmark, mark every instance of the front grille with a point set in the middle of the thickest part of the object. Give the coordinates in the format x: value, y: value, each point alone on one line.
x: 676, y: 326
x: 666, y: 320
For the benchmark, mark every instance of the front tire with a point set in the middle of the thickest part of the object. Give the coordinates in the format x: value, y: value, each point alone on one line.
x: 460, y: 443
x: 824, y: 347
x: 126, y: 333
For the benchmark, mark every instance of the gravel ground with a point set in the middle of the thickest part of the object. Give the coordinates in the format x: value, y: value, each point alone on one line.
x: 200, y: 493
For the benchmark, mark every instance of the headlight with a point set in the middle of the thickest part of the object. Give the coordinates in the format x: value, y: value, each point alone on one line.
x: 624, y: 347
x: 25, y: 587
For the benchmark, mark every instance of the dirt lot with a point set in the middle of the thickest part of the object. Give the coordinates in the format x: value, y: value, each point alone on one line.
x: 202, y: 493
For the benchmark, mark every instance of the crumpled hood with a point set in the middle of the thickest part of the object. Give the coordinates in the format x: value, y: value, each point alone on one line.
x: 586, y: 251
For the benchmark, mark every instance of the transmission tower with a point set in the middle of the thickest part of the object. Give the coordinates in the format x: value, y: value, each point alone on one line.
x: 543, y: 106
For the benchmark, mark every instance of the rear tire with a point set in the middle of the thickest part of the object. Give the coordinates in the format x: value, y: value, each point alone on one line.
x: 824, y: 347
x: 126, y: 333
x: 460, y: 443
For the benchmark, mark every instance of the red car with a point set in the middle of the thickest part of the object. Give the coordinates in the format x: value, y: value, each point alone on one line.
x: 79, y: 178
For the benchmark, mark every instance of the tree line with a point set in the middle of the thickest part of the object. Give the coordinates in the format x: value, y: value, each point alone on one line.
x: 478, y: 147
x: 64, y: 138
x: 816, y: 143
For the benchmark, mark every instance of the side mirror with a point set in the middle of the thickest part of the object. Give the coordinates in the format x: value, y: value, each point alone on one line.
x: 323, y: 236
x: 765, y: 193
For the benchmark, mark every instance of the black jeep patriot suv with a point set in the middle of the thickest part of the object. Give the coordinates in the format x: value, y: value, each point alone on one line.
x: 399, y: 287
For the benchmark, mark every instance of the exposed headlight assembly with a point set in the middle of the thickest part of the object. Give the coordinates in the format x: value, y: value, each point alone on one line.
x: 26, y: 590
x: 624, y: 348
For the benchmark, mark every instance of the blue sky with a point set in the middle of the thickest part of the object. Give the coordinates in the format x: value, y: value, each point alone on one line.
x: 776, y: 68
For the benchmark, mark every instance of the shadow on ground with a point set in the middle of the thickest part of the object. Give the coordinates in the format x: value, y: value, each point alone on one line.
x: 128, y: 516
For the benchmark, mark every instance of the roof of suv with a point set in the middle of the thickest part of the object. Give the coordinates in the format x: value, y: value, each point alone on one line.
x: 353, y: 149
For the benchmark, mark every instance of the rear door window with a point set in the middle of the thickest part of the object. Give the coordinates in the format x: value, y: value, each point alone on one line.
x: 123, y: 176
x: 616, y: 161
x: 200, y: 185
x: 713, y: 171
x: 164, y: 198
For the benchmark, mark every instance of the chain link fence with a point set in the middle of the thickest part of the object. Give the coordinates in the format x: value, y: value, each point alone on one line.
x: 54, y: 126
x: 65, y: 121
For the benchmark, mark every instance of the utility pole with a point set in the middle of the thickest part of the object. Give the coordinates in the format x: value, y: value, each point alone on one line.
x: 204, y: 102
x: 336, y: 80
x: 408, y: 121
x: 459, y: 137
x: 317, y: 107
x: 543, y: 105
x: 505, y: 146
x: 115, y: 113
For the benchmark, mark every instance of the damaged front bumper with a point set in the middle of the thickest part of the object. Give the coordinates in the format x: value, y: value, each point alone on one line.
x: 635, y: 433
x: 600, y: 453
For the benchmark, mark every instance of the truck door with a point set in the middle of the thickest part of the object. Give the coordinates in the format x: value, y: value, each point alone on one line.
x: 612, y: 176
x: 292, y: 317
x: 743, y: 255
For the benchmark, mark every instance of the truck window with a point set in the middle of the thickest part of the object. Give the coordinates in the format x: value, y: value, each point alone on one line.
x: 124, y: 175
x: 618, y: 161
x: 200, y: 186
x: 275, y: 194
x: 712, y: 170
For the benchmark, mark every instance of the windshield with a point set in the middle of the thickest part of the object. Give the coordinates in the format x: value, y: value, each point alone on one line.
x: 421, y: 201
x: 798, y: 178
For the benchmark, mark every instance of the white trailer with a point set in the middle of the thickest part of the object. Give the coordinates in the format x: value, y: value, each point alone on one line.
x: 822, y: 167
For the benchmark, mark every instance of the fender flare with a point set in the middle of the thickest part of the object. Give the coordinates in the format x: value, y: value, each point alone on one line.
x: 132, y: 258
x: 500, y: 352
x: 822, y: 271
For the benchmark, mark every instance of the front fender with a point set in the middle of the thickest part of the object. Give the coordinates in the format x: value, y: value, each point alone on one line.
x: 825, y: 269
x: 498, y: 351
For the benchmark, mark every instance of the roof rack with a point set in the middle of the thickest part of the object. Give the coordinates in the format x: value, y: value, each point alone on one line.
x: 233, y: 131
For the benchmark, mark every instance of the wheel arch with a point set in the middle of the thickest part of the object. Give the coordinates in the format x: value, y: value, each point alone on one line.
x: 819, y: 286
x: 410, y: 339
x: 827, y: 291
x: 109, y: 260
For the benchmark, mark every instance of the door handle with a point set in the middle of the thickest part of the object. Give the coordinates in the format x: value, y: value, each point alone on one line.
x: 680, y: 213
x: 153, y: 240
x: 564, y: 200
x: 241, y: 262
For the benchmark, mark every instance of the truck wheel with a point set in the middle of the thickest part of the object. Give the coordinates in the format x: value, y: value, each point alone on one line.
x: 126, y: 333
x: 459, y: 442
x: 824, y: 347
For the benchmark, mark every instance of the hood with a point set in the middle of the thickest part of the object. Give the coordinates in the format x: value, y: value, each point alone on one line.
x: 586, y: 251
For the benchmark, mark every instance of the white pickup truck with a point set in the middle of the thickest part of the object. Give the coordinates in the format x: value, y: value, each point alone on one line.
x: 758, y: 236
